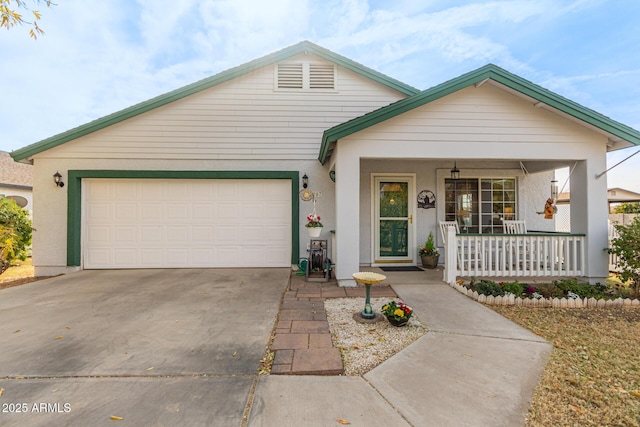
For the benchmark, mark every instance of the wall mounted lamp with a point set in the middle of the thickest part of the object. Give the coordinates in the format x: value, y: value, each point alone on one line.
x: 57, y: 178
x: 455, y: 172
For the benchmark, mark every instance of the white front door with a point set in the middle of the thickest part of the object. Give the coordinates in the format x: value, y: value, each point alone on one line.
x: 393, y: 212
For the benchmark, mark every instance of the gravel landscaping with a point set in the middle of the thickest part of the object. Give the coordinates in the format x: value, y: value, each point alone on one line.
x: 365, y: 345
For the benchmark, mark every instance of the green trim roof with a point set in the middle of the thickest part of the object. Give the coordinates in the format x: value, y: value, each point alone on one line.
x: 143, y: 107
x: 494, y: 73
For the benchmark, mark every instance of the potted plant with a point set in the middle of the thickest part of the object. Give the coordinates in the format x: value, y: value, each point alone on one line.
x: 397, y: 313
x: 429, y: 253
x: 314, y: 226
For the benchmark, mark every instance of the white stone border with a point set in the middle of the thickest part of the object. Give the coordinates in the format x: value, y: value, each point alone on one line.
x: 546, y: 302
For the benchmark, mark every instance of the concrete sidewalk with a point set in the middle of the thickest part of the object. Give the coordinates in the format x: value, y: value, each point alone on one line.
x: 473, y: 368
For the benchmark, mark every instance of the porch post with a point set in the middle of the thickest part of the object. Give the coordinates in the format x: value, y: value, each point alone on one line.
x: 589, y: 215
x: 450, y: 256
x: 347, y: 188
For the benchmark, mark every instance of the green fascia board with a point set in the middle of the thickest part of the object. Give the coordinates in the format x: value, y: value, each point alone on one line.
x: 74, y: 199
x: 222, y: 77
x: 494, y: 73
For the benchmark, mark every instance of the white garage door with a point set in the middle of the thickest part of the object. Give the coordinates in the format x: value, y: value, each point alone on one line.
x: 177, y: 223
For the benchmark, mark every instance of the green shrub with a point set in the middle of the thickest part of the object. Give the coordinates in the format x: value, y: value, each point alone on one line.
x: 488, y: 287
x: 515, y: 288
x: 627, y: 247
x: 15, y: 233
x: 583, y: 290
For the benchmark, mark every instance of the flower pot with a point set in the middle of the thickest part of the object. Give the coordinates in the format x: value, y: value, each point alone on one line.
x: 430, y: 261
x: 314, y: 231
x: 397, y: 323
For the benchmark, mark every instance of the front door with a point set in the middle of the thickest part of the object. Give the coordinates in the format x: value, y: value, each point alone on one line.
x: 393, y: 208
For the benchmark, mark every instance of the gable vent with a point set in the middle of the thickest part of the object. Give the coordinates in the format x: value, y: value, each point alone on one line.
x: 290, y: 76
x: 321, y: 76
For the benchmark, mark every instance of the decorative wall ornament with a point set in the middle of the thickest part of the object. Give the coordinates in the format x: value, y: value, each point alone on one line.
x: 426, y: 199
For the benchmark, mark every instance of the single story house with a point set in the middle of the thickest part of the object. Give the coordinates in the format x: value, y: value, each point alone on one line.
x: 16, y: 181
x: 211, y: 175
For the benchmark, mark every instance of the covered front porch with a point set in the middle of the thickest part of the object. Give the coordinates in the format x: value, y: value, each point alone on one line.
x: 494, y: 126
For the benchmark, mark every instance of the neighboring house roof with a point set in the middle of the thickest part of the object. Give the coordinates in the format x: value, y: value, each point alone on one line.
x: 304, y: 46
x: 614, y: 195
x: 620, y: 195
x: 615, y: 131
x: 15, y: 175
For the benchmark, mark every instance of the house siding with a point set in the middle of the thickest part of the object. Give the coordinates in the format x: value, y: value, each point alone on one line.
x: 482, y: 115
x: 245, y: 118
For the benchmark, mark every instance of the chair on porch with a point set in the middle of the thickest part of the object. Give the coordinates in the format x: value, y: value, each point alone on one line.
x: 517, y: 227
x: 514, y: 226
x: 453, y: 226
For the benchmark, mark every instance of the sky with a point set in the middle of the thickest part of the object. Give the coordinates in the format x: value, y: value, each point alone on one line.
x: 98, y: 57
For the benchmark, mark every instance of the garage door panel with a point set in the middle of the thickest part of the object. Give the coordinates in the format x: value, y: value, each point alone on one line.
x: 202, y: 233
x: 227, y: 211
x: 125, y: 256
x: 125, y: 234
x: 275, y: 254
x: 150, y: 191
x: 277, y: 210
x: 177, y: 234
x: 202, y: 211
x: 99, y: 235
x: 151, y: 257
x: 124, y: 192
x: 226, y: 233
x: 150, y: 234
x: 186, y: 223
x: 177, y: 212
x: 151, y: 211
x: 253, y: 233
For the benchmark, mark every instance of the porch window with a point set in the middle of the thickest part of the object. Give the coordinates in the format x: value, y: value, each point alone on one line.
x: 479, y: 205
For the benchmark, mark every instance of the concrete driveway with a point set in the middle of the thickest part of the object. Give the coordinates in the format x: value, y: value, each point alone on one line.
x: 155, y: 347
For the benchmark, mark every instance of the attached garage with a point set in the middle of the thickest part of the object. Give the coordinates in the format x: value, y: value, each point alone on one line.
x: 184, y: 223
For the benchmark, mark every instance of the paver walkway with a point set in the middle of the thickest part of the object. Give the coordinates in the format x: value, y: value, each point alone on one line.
x: 302, y: 342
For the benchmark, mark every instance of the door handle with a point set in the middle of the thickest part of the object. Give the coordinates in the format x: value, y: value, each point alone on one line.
x: 410, y: 219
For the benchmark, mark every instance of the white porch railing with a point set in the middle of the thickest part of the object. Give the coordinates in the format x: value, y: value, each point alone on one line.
x: 513, y: 255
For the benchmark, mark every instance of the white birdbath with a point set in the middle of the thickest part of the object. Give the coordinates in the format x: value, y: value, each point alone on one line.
x: 368, y: 278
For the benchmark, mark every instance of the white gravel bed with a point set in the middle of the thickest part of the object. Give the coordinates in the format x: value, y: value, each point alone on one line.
x: 364, y: 346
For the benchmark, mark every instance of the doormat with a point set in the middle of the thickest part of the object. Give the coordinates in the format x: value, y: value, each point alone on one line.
x: 403, y: 268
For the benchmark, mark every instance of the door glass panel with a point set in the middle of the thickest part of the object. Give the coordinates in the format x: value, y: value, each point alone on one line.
x: 394, y: 199
x: 393, y: 238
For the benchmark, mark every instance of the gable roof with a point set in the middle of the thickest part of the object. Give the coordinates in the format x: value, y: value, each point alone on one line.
x: 15, y: 175
x: 616, y: 130
x: 224, y: 76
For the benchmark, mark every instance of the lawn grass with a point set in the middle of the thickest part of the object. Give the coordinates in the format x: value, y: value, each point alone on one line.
x: 20, y: 273
x: 593, y: 376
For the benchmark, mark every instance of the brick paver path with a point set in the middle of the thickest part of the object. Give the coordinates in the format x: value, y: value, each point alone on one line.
x: 302, y: 342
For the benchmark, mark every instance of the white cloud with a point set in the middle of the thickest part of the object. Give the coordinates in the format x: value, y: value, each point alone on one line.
x: 99, y: 57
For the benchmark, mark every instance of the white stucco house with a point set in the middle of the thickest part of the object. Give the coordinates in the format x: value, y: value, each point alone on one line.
x: 209, y: 175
